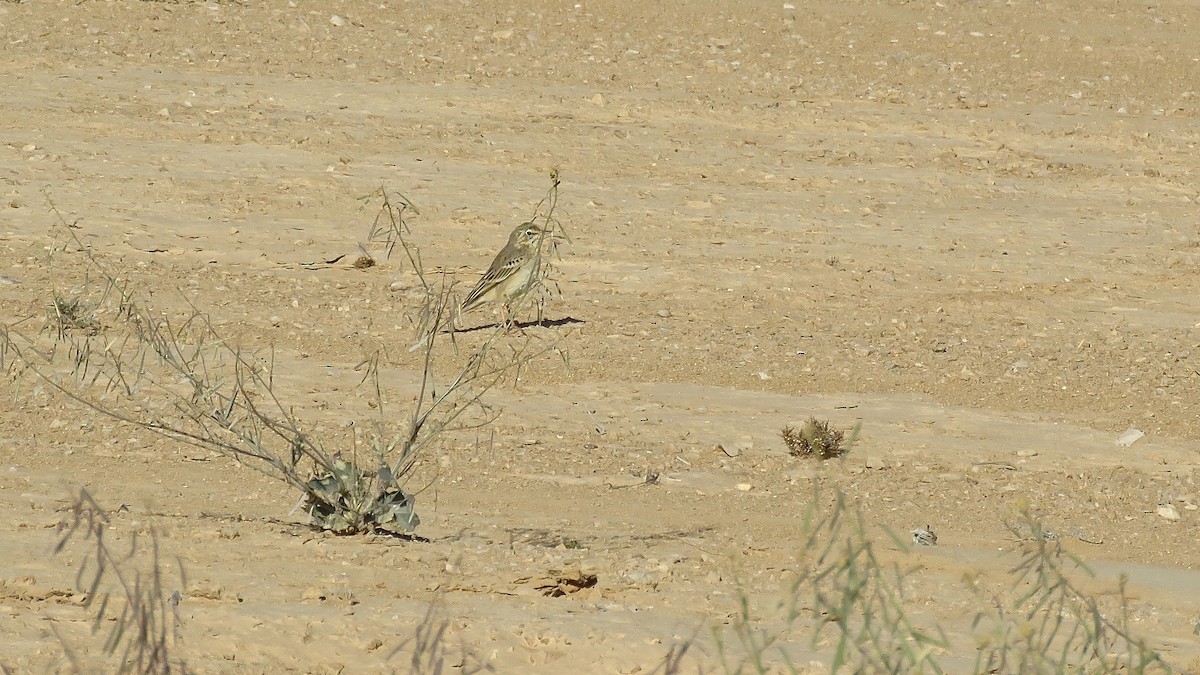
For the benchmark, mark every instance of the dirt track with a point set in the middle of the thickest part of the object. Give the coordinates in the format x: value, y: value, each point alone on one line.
x: 971, y: 226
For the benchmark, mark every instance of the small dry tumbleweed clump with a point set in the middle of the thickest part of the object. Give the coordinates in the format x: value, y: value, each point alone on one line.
x: 815, y: 439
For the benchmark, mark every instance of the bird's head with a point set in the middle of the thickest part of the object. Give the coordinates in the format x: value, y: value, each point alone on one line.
x: 526, y: 234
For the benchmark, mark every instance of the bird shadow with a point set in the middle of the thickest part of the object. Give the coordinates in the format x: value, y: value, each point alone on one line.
x: 522, y: 325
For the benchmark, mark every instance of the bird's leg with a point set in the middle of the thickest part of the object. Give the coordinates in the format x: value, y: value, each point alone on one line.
x: 504, y: 319
x: 508, y: 320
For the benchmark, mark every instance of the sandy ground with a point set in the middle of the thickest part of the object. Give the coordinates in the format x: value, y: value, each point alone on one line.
x: 971, y: 227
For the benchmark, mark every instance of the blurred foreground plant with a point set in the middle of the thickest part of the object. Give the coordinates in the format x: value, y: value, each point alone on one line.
x: 851, y: 604
x: 124, y: 589
x: 1052, y: 625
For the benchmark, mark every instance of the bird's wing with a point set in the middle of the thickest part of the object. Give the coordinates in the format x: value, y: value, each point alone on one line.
x: 502, y: 268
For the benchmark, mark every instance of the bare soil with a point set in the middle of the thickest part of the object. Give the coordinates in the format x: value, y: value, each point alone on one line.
x: 970, y: 227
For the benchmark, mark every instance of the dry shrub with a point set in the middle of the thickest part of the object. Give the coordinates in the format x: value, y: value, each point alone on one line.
x: 179, y: 375
x: 816, y: 438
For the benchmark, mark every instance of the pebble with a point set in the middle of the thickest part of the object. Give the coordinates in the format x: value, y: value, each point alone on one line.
x: 1167, y: 511
x: 924, y: 536
x: 735, y: 449
x: 664, y: 313
x: 1027, y: 453
x: 372, y: 645
x: 745, y: 487
x: 206, y: 591
x: 1129, y: 437
x: 337, y: 20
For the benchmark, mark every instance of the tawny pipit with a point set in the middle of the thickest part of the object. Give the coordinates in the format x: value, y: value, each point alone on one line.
x: 511, y: 273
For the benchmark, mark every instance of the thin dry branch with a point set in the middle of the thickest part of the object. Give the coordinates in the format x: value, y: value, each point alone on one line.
x: 543, y: 287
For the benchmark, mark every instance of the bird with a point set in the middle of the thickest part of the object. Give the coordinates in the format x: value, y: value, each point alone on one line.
x: 511, y: 272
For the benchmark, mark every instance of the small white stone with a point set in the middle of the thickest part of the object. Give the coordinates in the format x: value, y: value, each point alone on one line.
x: 337, y: 20
x: 1129, y: 437
x: 745, y: 487
x: 1167, y: 511
x: 924, y: 536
